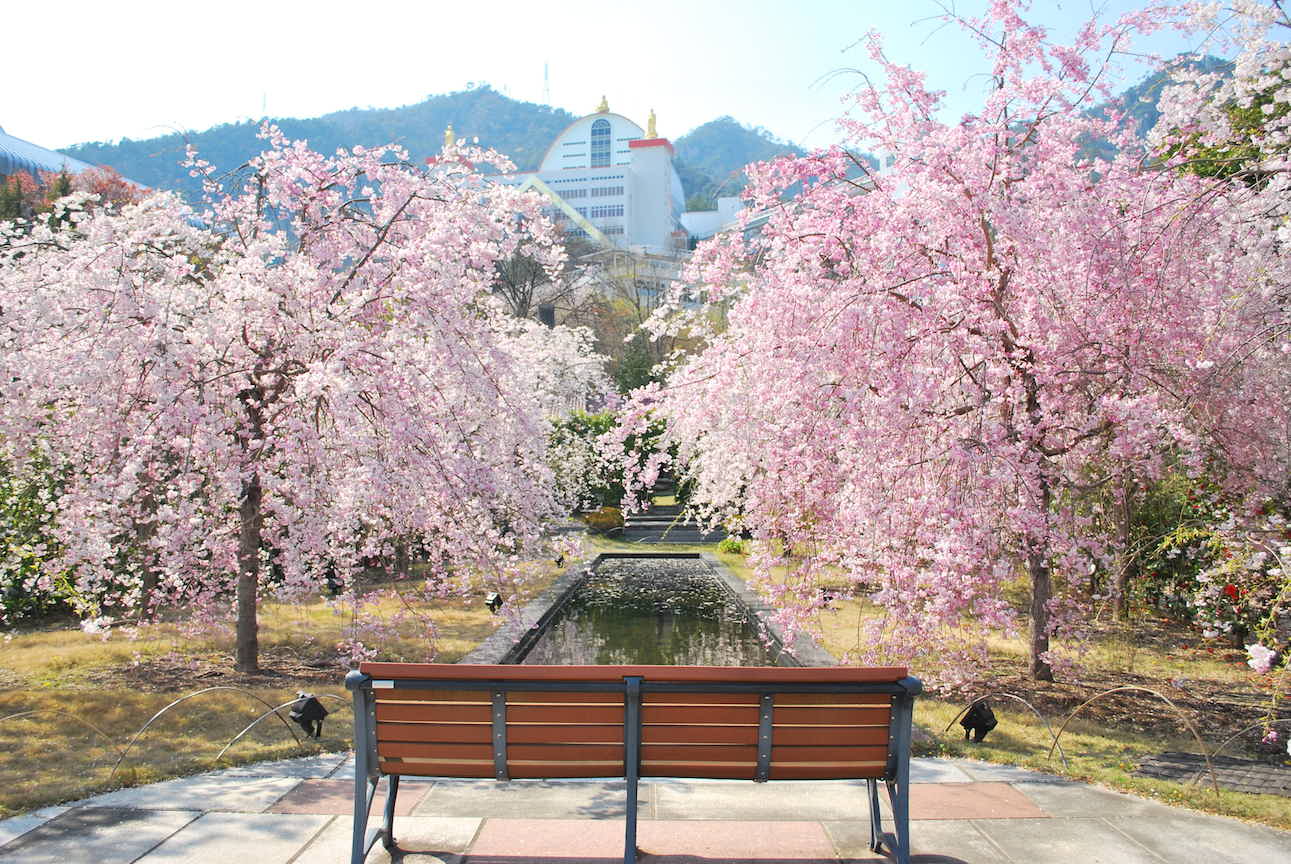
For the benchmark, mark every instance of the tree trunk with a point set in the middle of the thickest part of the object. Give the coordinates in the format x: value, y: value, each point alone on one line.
x: 1041, y: 591
x: 145, y: 528
x: 249, y: 537
x: 401, y: 562
x: 1121, y: 577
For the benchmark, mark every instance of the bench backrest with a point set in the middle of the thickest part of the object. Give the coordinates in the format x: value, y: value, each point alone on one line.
x: 754, y: 723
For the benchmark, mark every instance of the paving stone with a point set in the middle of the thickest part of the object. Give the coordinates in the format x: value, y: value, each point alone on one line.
x: 771, y: 802
x: 937, y: 771
x: 1242, y: 775
x: 1080, y: 800
x: 732, y: 841
x: 15, y: 827
x: 513, y: 840
x: 957, y: 842
x: 105, y: 835
x: 1181, y: 835
x: 202, y: 792
x: 510, y: 841
x: 1087, y: 841
x: 968, y: 801
x: 336, y: 797
x: 418, y: 840
x: 344, y: 771
x: 531, y: 799
x: 321, y: 765
x: 1004, y: 773
x: 265, y: 838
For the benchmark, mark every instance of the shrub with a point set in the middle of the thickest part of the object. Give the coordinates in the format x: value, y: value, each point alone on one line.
x: 731, y: 546
x: 604, y: 520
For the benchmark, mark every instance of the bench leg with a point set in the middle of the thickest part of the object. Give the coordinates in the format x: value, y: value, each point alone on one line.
x: 876, y: 825
x: 364, y: 792
x: 899, y: 795
x: 631, y: 762
x: 392, y: 789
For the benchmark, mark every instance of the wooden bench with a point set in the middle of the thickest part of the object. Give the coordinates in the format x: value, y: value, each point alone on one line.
x: 759, y: 723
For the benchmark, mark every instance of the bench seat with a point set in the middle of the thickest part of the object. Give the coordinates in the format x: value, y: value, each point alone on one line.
x: 752, y: 723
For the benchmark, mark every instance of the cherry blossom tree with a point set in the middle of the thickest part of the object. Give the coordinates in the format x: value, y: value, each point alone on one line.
x: 302, y: 374
x: 928, y: 368
x: 1236, y: 129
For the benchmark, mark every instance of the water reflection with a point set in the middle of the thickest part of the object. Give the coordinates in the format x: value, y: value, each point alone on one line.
x: 652, y: 611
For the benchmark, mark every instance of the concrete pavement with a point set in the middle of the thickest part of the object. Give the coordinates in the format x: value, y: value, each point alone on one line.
x: 298, y: 811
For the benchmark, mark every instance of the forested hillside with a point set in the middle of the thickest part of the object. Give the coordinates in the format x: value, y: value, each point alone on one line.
x: 522, y: 130
x: 710, y: 157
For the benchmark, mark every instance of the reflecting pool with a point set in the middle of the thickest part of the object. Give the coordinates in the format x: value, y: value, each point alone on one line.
x: 670, y: 611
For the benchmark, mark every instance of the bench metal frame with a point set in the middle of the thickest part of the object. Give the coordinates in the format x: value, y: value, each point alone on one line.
x: 367, y: 773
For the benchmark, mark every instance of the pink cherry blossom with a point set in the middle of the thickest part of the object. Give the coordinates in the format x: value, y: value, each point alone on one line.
x: 925, y: 369
x: 304, y: 374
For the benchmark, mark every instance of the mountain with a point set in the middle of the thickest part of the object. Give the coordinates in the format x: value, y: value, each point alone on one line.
x: 1140, y: 101
x: 710, y: 158
x: 522, y: 130
x: 718, y: 152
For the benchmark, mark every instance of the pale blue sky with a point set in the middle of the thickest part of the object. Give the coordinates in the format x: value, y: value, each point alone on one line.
x: 101, y: 71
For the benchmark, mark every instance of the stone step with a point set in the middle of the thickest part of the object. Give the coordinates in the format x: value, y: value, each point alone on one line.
x: 693, y: 540
x: 678, y: 535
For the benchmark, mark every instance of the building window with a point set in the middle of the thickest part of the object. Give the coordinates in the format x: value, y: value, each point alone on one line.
x: 602, y: 191
x: 600, y: 143
x: 575, y: 193
x: 612, y: 229
x: 602, y: 210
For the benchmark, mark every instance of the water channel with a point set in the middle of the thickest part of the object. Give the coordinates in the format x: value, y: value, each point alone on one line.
x: 670, y: 611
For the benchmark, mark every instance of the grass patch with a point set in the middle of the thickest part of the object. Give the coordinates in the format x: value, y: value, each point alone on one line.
x: 71, y: 701
x: 1106, y: 741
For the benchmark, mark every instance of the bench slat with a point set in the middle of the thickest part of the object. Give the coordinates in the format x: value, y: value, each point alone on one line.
x: 568, y: 734
x: 432, y: 712
x: 549, y: 753
x: 569, y: 769
x: 798, y: 755
x: 436, y: 769
x: 832, y: 716
x: 755, y: 674
x: 460, y: 733
x: 690, y: 769
x: 875, y: 768
x: 748, y: 699
x: 841, y: 736
x: 520, y: 696
x: 576, y: 714
x: 698, y: 754
x: 745, y: 735
x: 470, y: 697
x: 791, y: 699
x: 691, y: 715
x: 442, y: 752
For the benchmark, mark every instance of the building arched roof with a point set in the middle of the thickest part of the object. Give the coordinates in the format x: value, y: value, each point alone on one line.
x: 617, y: 120
x: 19, y: 155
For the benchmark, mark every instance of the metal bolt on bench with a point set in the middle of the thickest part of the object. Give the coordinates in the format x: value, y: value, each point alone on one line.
x: 542, y: 722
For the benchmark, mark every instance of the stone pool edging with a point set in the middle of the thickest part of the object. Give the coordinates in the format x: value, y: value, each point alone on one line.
x: 517, y: 635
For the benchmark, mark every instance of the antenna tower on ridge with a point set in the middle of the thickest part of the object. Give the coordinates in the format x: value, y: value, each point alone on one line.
x: 546, y: 85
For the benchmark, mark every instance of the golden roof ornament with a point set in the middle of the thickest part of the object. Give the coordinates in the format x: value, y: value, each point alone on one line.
x: 604, y: 107
x: 449, y: 138
x: 651, y: 132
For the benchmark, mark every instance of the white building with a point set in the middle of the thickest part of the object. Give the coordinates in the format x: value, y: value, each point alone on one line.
x: 613, y: 183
